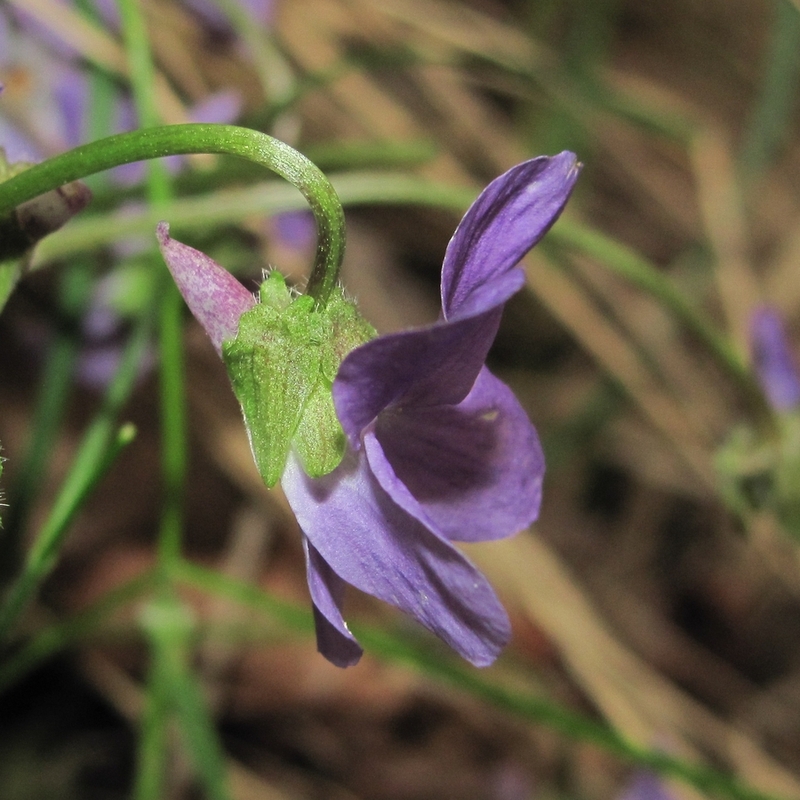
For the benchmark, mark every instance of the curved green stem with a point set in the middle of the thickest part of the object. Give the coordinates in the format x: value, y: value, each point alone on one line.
x: 200, y: 138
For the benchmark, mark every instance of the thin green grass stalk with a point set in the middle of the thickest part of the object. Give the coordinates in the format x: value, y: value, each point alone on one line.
x: 100, y: 450
x: 171, y: 366
x: 84, y: 625
x: 154, y: 732
x: 228, y: 206
x: 543, y: 711
x: 101, y: 444
x: 391, y: 646
x: 175, y: 693
x: 74, y: 292
x: 75, y: 286
x: 246, y: 594
x: 273, y: 69
x: 431, y: 661
x: 170, y: 690
x: 638, y: 271
x: 772, y: 116
x: 2, y: 504
x: 11, y: 271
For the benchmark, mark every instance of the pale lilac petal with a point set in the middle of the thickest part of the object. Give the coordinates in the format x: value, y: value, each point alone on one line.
x: 71, y: 93
x: 334, y: 639
x: 646, y: 786
x: 427, y: 366
x: 475, y: 469
x: 509, y: 217
x: 773, y: 361
x: 213, y: 295
x: 296, y: 229
x: 224, y: 106
x: 373, y: 544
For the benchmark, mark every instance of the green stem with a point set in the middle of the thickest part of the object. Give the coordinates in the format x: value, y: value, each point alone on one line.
x: 172, y: 382
x: 170, y: 140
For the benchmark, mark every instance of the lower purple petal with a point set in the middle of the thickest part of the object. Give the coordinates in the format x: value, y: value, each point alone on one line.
x: 373, y: 544
x: 334, y: 639
x: 475, y: 468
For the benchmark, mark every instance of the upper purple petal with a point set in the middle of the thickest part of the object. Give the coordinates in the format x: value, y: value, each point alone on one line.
x: 213, y: 295
x: 334, y: 639
x: 509, y: 217
x: 773, y: 360
x: 471, y: 471
x: 373, y: 544
x: 427, y: 366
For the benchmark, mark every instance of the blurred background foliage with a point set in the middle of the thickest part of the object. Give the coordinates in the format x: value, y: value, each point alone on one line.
x: 659, y: 593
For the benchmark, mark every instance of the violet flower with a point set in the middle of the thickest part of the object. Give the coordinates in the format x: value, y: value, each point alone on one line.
x: 773, y: 362
x: 438, y: 450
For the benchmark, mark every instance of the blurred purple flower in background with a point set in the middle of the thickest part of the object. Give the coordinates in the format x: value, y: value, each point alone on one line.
x: 773, y: 361
x: 645, y: 786
x: 439, y: 450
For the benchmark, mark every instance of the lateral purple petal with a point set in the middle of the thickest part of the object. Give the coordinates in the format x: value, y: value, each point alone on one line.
x: 334, y: 639
x: 373, y: 544
x: 474, y: 469
x: 427, y: 366
x: 509, y: 217
x: 773, y: 361
x: 213, y: 295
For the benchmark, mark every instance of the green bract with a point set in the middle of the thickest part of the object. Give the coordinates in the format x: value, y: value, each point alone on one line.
x: 282, y: 364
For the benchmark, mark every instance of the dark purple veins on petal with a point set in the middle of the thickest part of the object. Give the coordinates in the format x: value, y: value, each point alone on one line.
x: 475, y: 468
x: 509, y: 217
x: 427, y: 366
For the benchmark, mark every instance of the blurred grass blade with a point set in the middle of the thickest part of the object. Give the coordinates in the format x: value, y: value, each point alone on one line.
x: 428, y: 658
x: 100, y: 449
x: 10, y: 273
x: 154, y: 739
x: 61, y: 635
x: 51, y: 403
x: 173, y: 691
x: 769, y: 127
x: 100, y: 446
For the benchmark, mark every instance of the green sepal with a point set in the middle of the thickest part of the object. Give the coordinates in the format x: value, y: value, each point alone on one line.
x: 282, y: 364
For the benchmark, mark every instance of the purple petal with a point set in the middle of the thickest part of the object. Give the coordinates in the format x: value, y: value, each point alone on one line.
x: 71, y: 92
x: 509, y: 217
x: 645, y: 786
x: 224, y: 106
x: 334, y: 639
x: 773, y: 361
x: 427, y: 366
x: 475, y: 469
x: 296, y: 229
x: 213, y: 295
x: 373, y: 544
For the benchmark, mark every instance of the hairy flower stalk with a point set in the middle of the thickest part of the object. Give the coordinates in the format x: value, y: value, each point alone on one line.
x: 391, y: 448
